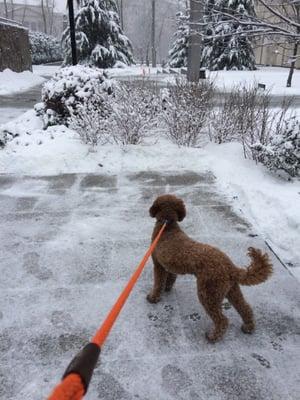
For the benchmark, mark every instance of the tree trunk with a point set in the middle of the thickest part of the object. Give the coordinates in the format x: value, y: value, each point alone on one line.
x: 24, y: 13
x: 292, y: 68
x: 295, y: 51
x: 5, y: 8
x: 153, y: 35
x: 44, y: 16
x: 12, y: 9
x: 51, y: 17
x: 193, y: 63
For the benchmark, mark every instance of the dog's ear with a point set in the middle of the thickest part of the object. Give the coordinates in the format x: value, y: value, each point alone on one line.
x: 180, y: 209
x: 153, y: 210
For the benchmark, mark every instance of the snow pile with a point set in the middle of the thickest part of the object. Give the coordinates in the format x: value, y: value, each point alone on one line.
x: 13, y: 82
x: 69, y: 88
x: 24, y: 126
x: 60, y: 150
x: 271, y: 204
x: 44, y: 48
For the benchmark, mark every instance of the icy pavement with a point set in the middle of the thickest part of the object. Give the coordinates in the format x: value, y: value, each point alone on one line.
x: 69, y: 244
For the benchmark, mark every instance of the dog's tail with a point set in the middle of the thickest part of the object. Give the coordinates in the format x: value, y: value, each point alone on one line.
x: 258, y: 271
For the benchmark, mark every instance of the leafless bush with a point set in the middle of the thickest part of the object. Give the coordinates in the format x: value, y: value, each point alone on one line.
x: 91, y: 122
x: 246, y: 116
x: 135, y: 109
x: 186, y: 110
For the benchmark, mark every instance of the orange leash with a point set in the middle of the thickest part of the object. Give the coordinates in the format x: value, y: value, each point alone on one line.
x: 79, y: 373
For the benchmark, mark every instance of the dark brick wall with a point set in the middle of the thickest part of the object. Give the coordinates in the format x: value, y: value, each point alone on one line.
x: 14, y: 48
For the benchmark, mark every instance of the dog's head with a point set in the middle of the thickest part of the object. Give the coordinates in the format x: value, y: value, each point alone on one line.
x: 168, y: 207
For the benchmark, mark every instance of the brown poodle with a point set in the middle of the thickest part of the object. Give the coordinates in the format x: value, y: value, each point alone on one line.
x: 217, y: 276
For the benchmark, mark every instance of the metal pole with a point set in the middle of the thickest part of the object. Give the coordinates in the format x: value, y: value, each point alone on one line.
x: 72, y: 31
x: 121, y: 14
x: 153, y: 35
x: 194, y: 50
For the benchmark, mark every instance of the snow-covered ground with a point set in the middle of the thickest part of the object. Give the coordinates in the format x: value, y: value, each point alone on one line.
x: 13, y: 82
x: 270, y: 204
x: 273, y: 77
x: 45, y: 70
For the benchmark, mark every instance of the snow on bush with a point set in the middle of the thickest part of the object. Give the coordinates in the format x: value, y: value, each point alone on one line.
x: 246, y: 116
x: 44, y: 48
x: 69, y: 89
x: 126, y: 116
x: 282, y: 154
x: 92, y: 122
x: 135, y: 110
x: 186, y: 110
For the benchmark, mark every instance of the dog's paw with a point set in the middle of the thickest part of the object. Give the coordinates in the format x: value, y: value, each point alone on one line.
x: 211, y: 337
x: 248, y: 328
x: 152, y: 299
x: 214, y: 336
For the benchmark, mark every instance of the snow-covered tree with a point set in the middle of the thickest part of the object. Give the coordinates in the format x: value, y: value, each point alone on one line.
x: 225, y: 45
x: 99, y: 37
x: 179, y: 51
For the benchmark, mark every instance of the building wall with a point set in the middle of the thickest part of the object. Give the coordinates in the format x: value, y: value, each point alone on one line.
x: 273, y: 51
x: 31, y: 16
x: 14, y: 47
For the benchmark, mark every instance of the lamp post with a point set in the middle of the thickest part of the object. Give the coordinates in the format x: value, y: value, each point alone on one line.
x: 72, y: 31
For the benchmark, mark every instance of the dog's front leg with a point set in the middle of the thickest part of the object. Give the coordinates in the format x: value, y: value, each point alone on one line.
x: 160, y: 277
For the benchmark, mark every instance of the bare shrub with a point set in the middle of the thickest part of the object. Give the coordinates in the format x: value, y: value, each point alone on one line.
x: 135, y: 109
x: 246, y: 116
x: 91, y: 122
x: 186, y: 110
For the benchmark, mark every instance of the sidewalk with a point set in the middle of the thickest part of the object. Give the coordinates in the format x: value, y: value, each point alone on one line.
x: 69, y: 244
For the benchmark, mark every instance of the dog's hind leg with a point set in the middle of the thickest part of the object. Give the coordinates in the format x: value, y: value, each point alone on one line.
x: 171, y: 278
x: 236, y: 298
x: 160, y: 279
x: 211, y: 295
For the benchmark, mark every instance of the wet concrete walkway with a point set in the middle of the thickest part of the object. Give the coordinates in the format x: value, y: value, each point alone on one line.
x: 68, y: 245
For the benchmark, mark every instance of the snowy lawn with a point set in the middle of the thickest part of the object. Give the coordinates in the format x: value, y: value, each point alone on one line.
x: 13, y: 82
x: 45, y: 70
x: 270, y: 203
x: 273, y: 77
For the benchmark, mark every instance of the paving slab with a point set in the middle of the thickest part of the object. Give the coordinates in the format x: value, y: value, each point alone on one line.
x: 69, y: 244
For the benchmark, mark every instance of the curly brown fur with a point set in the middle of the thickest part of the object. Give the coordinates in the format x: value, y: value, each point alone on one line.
x: 217, y: 276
